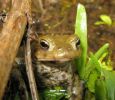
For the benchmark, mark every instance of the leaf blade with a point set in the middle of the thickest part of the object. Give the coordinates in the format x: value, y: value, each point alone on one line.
x: 81, y: 32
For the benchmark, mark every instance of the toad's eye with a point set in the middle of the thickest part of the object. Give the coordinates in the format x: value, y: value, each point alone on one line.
x: 77, y: 44
x: 44, y: 44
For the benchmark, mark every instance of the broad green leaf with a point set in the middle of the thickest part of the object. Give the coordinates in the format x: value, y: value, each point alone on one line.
x: 91, y: 66
x: 91, y: 80
x: 92, y: 72
x: 100, y: 90
x: 81, y: 32
x: 105, y: 87
x: 110, y: 83
x: 106, y: 19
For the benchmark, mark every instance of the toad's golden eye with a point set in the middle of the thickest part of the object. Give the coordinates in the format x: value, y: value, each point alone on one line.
x: 77, y: 44
x: 44, y: 44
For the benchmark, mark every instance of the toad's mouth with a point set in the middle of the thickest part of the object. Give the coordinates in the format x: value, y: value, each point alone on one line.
x: 56, y: 60
x: 59, y: 60
x: 53, y: 61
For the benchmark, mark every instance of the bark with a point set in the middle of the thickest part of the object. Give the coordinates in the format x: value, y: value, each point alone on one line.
x: 10, y: 39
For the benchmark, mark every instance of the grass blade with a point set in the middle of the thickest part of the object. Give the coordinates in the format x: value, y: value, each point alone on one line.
x: 81, y: 32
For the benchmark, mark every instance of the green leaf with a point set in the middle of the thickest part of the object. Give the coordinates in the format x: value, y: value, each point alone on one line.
x: 81, y: 32
x: 91, y: 81
x: 91, y: 66
x: 110, y: 83
x: 92, y: 72
x: 100, y: 90
x: 106, y: 19
x: 54, y: 94
x: 89, y: 95
x: 102, y: 50
x: 99, y: 23
x: 105, y: 86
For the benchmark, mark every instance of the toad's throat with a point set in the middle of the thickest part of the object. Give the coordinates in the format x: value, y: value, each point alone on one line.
x: 54, y: 73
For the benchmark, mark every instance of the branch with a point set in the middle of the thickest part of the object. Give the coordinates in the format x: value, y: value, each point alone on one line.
x: 30, y: 73
x: 10, y: 39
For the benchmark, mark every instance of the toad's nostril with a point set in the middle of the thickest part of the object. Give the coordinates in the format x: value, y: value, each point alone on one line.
x: 60, y: 52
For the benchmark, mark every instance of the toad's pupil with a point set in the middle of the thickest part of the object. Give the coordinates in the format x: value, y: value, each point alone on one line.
x: 44, y: 45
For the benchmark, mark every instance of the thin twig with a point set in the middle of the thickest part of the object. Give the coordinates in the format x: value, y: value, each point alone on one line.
x: 29, y: 69
x: 30, y: 73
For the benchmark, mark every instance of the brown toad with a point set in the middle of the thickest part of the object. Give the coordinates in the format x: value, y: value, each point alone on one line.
x: 53, y: 56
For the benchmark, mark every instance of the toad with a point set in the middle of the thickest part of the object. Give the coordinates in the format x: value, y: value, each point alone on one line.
x: 54, y: 56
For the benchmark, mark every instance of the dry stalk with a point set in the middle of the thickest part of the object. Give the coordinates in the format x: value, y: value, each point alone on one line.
x: 29, y: 71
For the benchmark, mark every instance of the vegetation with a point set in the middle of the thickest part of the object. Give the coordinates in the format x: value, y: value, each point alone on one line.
x: 93, y: 69
x: 105, y: 19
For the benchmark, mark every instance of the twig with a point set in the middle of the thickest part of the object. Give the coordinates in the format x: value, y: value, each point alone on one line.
x: 28, y: 61
x: 29, y: 70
